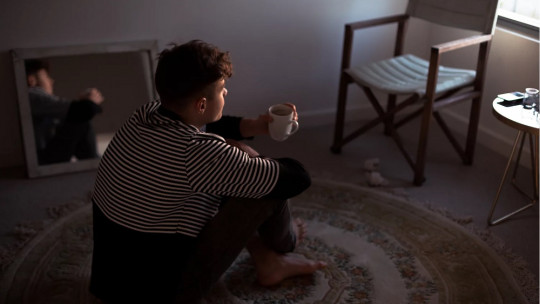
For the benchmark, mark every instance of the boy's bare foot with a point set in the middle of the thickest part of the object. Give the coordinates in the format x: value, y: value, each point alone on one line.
x: 273, y: 267
x: 278, y: 267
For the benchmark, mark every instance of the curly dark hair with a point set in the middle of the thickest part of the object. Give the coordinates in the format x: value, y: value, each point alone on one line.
x: 187, y: 69
x: 32, y: 66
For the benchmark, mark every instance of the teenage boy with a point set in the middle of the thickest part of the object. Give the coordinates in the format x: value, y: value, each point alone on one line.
x: 174, y: 202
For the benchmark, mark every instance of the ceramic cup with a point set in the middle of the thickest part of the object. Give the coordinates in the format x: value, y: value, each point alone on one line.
x: 282, y: 125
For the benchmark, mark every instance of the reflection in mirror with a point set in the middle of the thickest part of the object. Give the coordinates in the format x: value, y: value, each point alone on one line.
x: 72, y: 100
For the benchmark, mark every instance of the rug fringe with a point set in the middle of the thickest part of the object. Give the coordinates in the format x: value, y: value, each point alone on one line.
x: 527, y: 280
x: 24, y: 232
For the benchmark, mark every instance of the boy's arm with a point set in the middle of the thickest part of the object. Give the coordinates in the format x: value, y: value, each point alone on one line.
x: 215, y: 167
x: 227, y: 127
x: 238, y: 128
x: 82, y: 110
x: 293, y: 179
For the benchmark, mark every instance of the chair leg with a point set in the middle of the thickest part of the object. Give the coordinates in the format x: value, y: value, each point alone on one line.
x: 419, y: 177
x: 390, y: 119
x: 340, y: 114
x: 474, y: 119
x: 450, y: 136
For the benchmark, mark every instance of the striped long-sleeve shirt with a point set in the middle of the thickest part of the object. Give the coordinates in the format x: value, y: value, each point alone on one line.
x: 161, y: 175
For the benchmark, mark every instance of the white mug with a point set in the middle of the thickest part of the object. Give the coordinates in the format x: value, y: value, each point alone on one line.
x: 282, y: 125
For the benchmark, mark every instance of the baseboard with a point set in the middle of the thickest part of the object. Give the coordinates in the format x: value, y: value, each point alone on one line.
x: 499, y: 143
x: 490, y: 139
x: 327, y: 117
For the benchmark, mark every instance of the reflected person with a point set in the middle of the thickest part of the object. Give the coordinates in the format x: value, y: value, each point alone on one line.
x: 62, y: 127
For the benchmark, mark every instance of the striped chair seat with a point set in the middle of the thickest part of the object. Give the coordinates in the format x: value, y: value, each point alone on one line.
x: 407, y: 74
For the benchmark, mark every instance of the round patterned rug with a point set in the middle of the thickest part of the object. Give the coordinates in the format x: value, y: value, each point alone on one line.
x: 380, y: 248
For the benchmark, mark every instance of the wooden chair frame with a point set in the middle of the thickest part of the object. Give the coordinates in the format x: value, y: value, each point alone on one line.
x: 432, y: 103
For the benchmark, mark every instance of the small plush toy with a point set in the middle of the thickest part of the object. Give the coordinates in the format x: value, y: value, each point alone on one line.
x: 374, y: 177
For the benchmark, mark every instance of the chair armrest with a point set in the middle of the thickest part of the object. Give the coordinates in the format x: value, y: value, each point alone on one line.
x: 438, y: 49
x: 377, y: 21
x: 351, y: 27
x: 460, y: 43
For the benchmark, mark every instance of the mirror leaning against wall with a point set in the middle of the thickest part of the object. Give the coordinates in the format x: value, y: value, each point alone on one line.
x: 72, y: 99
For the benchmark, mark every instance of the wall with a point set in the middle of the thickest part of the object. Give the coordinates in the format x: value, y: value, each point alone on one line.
x: 120, y: 77
x: 513, y: 66
x: 283, y: 51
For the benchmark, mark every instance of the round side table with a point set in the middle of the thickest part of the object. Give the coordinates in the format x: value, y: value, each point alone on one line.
x: 527, y: 124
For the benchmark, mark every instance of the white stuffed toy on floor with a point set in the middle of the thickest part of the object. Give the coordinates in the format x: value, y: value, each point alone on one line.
x: 374, y: 177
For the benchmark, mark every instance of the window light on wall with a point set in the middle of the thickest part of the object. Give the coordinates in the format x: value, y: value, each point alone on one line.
x: 526, y: 12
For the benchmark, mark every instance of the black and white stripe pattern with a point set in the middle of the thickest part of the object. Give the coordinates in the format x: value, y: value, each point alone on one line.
x: 160, y: 175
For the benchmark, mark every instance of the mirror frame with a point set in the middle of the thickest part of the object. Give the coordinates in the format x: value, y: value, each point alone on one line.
x: 148, y: 48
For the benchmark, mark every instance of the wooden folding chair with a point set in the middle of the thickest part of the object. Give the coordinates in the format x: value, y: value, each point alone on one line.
x: 422, y: 82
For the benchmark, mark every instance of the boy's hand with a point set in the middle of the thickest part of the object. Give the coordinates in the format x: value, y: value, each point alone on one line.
x: 295, y: 114
x: 259, y: 125
x: 94, y: 95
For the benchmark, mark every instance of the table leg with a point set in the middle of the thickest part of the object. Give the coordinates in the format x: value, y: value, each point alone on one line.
x: 534, y: 161
x: 536, y: 166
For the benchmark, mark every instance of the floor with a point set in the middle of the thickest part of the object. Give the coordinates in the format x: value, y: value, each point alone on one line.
x: 463, y: 191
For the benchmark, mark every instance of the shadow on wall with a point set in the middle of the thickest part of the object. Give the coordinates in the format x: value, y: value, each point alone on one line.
x: 11, y: 153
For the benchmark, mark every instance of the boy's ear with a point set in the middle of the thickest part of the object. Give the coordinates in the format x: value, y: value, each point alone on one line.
x: 201, y: 105
x: 31, y: 80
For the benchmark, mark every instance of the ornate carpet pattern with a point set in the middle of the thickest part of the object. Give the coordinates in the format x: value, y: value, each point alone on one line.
x: 380, y: 248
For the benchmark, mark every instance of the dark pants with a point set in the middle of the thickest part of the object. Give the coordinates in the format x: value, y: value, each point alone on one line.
x: 136, y: 267
x: 71, y: 139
